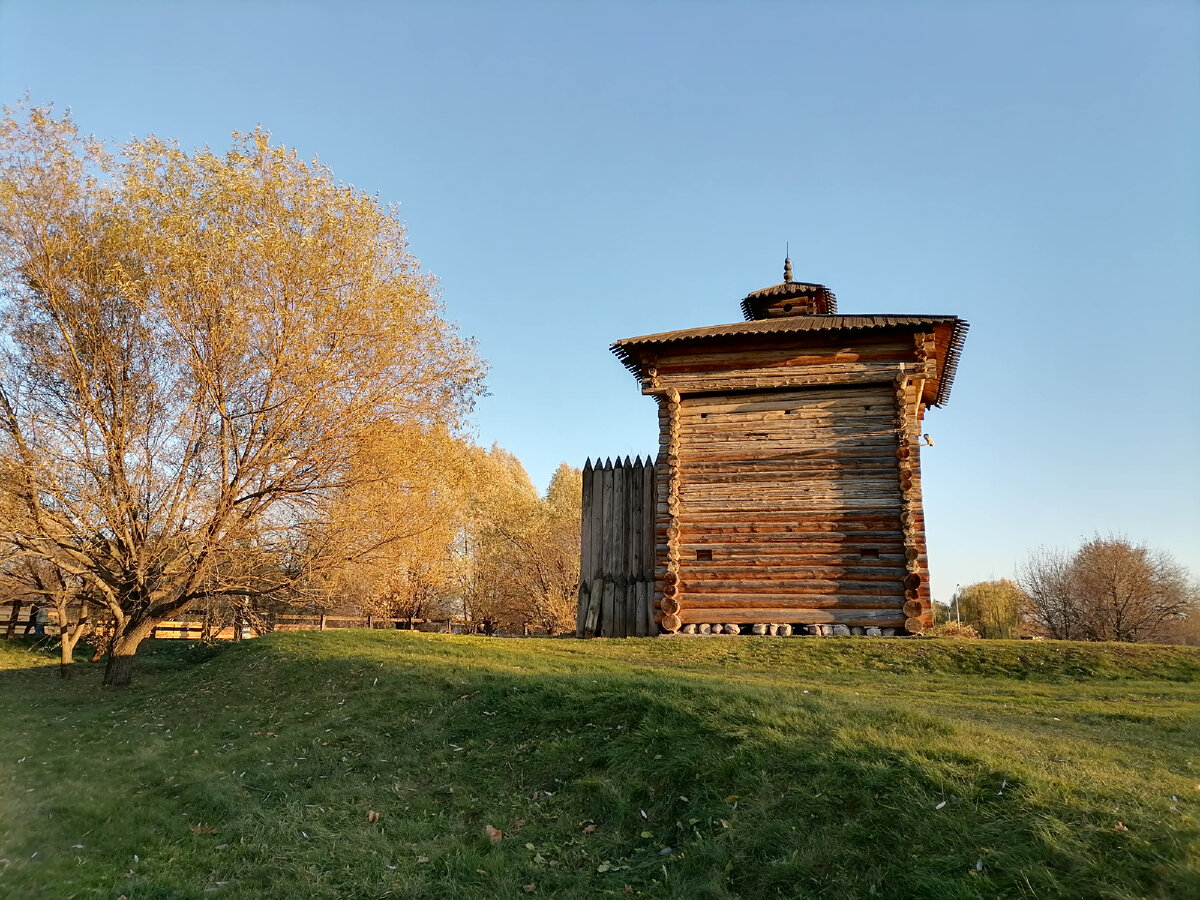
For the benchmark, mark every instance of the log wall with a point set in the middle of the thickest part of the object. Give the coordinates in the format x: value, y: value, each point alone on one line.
x: 791, y: 484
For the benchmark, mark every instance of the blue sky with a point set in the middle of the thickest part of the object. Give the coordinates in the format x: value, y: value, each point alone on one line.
x: 576, y: 173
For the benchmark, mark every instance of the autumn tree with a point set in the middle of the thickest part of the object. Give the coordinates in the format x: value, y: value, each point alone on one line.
x: 194, y: 347
x: 401, y: 527
x: 1108, y: 590
x: 992, y: 608
x: 524, y: 549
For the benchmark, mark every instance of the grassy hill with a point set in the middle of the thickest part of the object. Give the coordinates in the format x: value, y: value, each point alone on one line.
x: 369, y: 764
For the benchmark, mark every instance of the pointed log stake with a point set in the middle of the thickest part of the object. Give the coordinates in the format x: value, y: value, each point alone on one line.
x: 592, y: 625
x: 607, y: 615
x: 642, y: 595
x: 585, y: 596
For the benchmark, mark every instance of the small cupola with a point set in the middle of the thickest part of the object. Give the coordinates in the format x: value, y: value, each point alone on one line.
x: 789, y: 298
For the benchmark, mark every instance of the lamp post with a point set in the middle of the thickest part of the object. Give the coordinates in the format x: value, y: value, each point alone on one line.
x: 957, y: 612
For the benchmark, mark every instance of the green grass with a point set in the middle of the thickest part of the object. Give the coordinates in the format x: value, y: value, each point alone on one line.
x: 725, y: 767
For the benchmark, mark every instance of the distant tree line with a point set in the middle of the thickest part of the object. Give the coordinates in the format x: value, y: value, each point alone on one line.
x: 1110, y: 589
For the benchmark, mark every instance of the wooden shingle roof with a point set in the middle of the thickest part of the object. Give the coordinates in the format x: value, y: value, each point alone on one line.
x: 755, y: 304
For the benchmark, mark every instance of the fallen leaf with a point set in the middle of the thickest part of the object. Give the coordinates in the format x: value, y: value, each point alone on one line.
x: 530, y: 888
x: 979, y: 865
x: 589, y: 829
x: 1121, y: 827
x: 647, y: 834
x: 372, y: 816
x: 422, y: 859
x: 203, y: 829
x: 940, y: 805
x: 628, y: 889
x: 493, y: 834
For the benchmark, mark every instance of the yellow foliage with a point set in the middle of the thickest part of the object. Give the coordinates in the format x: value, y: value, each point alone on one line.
x: 203, y: 352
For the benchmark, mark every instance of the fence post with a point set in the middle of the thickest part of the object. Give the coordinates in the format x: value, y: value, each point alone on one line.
x: 12, y: 620
x: 322, y: 626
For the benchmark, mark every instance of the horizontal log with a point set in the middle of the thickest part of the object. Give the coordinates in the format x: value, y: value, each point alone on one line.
x: 703, y: 600
x: 784, y: 569
x: 809, y: 504
x: 884, y: 618
x: 795, y: 587
x: 846, y: 520
x: 778, y: 598
x: 764, y: 443
x: 789, y: 542
x: 812, y: 354
x: 865, y: 491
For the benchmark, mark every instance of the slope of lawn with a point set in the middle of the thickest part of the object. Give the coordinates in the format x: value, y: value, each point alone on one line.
x: 373, y: 764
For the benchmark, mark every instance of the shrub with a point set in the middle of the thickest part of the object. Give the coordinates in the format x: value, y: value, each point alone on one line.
x: 953, y: 630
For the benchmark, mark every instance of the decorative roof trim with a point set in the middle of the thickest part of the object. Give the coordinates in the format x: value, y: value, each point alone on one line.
x: 953, y: 352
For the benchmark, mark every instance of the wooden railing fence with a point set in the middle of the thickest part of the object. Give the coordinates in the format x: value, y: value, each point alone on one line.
x: 16, y: 621
x: 616, y: 560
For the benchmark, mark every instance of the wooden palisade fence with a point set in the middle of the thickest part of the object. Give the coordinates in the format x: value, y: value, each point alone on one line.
x: 616, y: 572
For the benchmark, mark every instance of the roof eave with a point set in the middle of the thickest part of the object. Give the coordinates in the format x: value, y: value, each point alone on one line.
x: 624, y: 349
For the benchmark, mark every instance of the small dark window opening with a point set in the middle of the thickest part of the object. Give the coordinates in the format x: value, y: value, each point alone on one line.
x: 869, y: 552
x: 704, y: 415
x: 704, y: 555
x: 787, y: 307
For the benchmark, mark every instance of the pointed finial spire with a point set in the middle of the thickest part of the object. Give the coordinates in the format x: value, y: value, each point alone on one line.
x: 787, y: 265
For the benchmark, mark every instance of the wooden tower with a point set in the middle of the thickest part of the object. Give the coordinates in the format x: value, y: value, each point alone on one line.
x: 788, y: 477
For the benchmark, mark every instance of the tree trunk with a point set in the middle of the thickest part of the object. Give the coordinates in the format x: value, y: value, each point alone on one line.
x: 118, y: 672
x: 66, y: 661
x: 69, y: 635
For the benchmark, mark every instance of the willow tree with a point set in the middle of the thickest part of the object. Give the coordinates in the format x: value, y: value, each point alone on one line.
x: 194, y: 346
